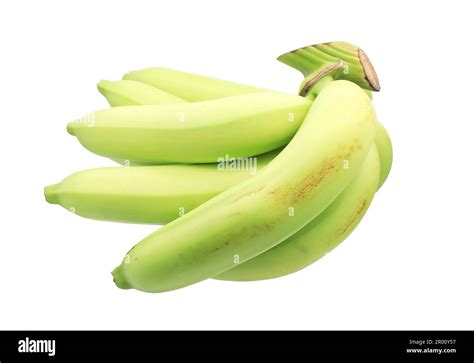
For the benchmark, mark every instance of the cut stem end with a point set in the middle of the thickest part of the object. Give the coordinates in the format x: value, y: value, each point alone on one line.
x: 341, y: 60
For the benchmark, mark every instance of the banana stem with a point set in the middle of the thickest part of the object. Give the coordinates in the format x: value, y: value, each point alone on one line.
x: 311, y: 88
x: 322, y: 63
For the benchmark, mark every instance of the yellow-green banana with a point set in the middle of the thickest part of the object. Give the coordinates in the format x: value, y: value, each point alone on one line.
x: 150, y: 194
x: 246, y: 220
x: 199, y: 132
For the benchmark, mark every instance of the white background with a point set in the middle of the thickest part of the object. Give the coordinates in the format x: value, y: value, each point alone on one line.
x: 409, y: 265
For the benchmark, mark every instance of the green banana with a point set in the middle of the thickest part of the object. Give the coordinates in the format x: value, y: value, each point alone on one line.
x: 199, y: 132
x: 150, y: 194
x: 253, y: 216
x: 127, y: 93
x: 319, y: 236
x: 189, y: 86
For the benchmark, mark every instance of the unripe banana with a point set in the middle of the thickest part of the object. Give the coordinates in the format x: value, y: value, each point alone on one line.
x: 189, y: 86
x: 317, y: 165
x: 199, y: 132
x: 127, y: 93
x: 149, y: 194
x: 319, y: 236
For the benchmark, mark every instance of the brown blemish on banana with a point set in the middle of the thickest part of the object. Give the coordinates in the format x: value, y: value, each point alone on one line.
x: 294, y: 194
x: 302, y: 248
x: 247, y: 233
x: 226, y: 243
x: 249, y: 194
x: 354, y: 217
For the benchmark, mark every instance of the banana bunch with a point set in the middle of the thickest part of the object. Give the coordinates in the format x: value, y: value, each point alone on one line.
x: 250, y: 183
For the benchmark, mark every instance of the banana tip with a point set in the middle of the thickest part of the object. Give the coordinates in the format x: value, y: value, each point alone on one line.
x: 102, y: 85
x: 127, y: 75
x: 51, y: 194
x: 120, y: 279
x: 70, y: 128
